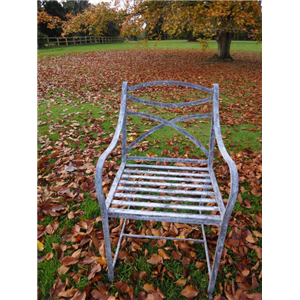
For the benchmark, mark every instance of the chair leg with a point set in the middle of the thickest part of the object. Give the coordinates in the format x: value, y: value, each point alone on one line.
x: 106, y: 234
x: 217, y: 258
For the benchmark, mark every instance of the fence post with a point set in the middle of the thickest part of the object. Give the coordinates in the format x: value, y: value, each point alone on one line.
x: 57, y: 41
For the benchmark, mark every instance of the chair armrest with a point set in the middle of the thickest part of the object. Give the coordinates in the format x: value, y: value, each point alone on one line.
x: 232, y: 167
x: 105, y: 154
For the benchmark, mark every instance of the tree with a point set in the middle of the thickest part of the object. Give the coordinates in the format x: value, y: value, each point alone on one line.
x: 95, y: 20
x: 75, y: 7
x: 209, y: 19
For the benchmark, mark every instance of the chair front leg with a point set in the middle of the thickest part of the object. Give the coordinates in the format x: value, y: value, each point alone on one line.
x: 217, y: 258
x: 106, y: 234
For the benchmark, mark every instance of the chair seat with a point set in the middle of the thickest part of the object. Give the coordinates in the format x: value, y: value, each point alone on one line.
x: 166, y: 193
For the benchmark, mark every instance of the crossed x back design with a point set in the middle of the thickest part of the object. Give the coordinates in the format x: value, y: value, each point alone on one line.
x: 190, y: 194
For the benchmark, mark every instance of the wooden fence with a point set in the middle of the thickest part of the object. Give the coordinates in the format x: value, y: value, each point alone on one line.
x: 78, y: 40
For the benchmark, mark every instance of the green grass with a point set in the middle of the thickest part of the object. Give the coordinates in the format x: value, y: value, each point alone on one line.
x: 170, y: 44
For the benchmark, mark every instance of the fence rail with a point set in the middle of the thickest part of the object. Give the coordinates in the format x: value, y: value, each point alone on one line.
x: 78, y: 40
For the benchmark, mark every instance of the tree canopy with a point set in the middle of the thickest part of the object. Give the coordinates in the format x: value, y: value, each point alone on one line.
x: 201, y: 20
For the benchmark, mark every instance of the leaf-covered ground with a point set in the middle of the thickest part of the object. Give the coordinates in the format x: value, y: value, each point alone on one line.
x: 78, y: 105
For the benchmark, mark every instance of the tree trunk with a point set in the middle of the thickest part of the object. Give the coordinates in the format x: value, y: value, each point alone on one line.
x: 224, y: 41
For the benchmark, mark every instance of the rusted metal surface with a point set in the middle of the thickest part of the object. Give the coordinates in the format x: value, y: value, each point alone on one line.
x: 139, y: 185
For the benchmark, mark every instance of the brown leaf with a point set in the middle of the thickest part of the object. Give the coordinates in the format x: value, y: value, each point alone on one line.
x: 68, y: 261
x: 163, y: 254
x: 99, y: 296
x: 92, y: 271
x: 49, y: 255
x: 155, y: 259
x: 176, y: 255
x: 76, y: 254
x: 254, y: 283
x: 79, y: 296
x: 251, y: 239
x: 143, y: 275
x: 122, y: 286
x: 149, y: 288
x: 62, y: 270
x: 255, y: 296
x: 180, y: 282
x: 68, y: 293
x: 189, y: 291
x: 200, y: 265
x: 142, y: 295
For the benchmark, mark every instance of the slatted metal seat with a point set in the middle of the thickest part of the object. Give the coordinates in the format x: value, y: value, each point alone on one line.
x: 149, y: 188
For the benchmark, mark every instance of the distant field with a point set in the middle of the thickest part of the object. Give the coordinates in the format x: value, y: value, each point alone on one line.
x: 171, y: 44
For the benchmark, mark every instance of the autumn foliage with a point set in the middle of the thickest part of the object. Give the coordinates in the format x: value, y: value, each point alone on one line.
x: 203, y: 20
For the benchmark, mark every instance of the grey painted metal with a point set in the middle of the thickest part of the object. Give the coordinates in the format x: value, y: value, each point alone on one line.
x: 179, y: 175
x: 114, y: 185
x: 171, y: 105
x: 167, y: 159
x: 233, y: 190
x: 168, y: 191
x: 167, y: 123
x: 179, y: 83
x: 98, y: 182
x: 164, y: 178
x: 157, y: 183
x: 167, y: 173
x: 162, y: 216
x: 164, y: 206
x: 119, y: 242
x: 166, y: 167
x: 165, y: 198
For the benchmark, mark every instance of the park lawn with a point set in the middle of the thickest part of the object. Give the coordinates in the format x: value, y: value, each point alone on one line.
x: 78, y: 106
x: 169, y: 44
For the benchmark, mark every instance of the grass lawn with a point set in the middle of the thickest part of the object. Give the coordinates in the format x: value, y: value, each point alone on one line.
x: 171, y: 44
x: 79, y: 92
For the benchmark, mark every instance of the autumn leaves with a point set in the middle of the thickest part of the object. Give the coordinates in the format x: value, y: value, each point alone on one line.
x: 78, y: 97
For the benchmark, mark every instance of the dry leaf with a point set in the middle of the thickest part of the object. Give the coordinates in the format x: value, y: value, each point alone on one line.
x: 40, y: 246
x: 91, y: 273
x: 68, y: 293
x: 69, y: 260
x: 189, y: 291
x: 155, y: 259
x: 163, y: 254
x: 180, y: 282
x: 149, y: 288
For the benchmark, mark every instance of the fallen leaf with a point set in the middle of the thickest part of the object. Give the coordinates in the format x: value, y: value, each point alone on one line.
x: 93, y: 270
x: 62, y: 270
x: 163, y: 254
x: 180, y: 282
x: 155, y: 259
x: 69, y: 260
x: 189, y: 291
x: 122, y: 286
x: 49, y: 255
x: 149, y: 288
x: 99, y: 296
x: 200, y: 265
x: 79, y: 296
x: 68, y: 293
x: 40, y: 246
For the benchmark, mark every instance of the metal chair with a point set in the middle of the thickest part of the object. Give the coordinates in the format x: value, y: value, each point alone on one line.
x: 193, y: 188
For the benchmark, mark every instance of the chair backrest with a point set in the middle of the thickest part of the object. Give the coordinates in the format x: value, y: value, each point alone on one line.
x: 163, y: 122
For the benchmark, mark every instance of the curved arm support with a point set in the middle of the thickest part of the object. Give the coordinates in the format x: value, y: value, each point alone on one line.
x: 104, y: 155
x: 232, y: 167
